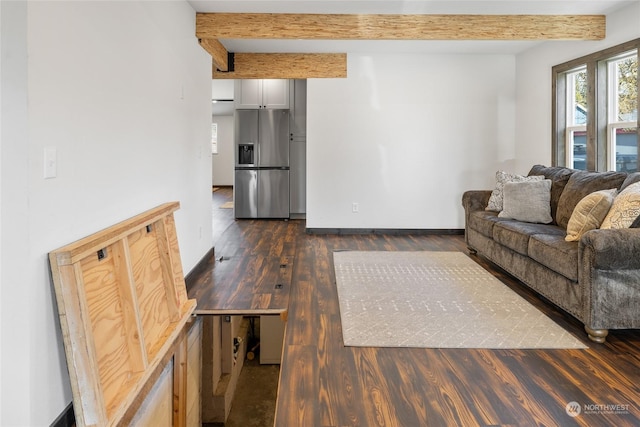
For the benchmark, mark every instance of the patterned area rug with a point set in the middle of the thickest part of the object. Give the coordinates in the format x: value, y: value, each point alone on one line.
x: 435, y: 300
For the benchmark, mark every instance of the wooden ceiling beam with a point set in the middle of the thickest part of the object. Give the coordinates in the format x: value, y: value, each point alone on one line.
x: 218, y: 53
x: 399, y: 27
x: 286, y: 66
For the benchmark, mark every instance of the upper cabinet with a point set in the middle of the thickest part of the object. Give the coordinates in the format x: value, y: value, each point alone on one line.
x: 262, y: 94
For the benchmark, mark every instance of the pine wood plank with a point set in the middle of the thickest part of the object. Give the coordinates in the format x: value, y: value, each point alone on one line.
x: 399, y: 27
x: 301, y: 392
x: 194, y: 374
x: 285, y: 66
x: 219, y: 54
x: 156, y: 407
x: 180, y: 289
x: 72, y: 311
x: 211, y: 364
x: 150, y: 287
x: 166, y: 268
x: 180, y: 360
x: 129, y: 300
x: 111, y: 345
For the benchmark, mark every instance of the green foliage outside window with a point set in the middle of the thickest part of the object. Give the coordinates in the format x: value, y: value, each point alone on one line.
x: 580, y: 80
x: 628, y: 89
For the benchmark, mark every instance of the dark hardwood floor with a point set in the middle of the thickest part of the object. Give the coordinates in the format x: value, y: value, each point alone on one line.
x: 324, y: 383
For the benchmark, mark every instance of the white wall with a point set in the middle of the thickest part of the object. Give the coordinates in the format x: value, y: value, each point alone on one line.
x: 224, y: 161
x: 404, y: 136
x: 122, y: 91
x: 533, y: 84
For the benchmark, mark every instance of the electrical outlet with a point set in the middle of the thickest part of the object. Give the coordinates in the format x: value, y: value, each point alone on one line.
x: 355, y: 208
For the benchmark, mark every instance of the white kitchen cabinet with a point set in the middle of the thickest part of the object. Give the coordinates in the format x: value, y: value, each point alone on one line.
x: 261, y: 94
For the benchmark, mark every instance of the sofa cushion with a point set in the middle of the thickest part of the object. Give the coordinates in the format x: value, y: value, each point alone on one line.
x: 515, y: 234
x: 502, y: 177
x: 483, y: 221
x: 552, y: 251
x: 625, y: 208
x: 632, y: 178
x: 559, y: 177
x: 527, y: 201
x: 589, y: 213
x: 580, y: 184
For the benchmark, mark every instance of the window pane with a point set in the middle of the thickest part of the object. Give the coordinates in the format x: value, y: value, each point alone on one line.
x: 214, y: 138
x: 627, y: 89
x: 579, y: 98
x: 626, y: 148
x: 579, y: 146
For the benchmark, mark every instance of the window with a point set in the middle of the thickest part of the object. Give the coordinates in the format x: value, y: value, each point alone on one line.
x: 595, y: 110
x: 214, y: 138
x: 623, y: 112
x: 576, y: 129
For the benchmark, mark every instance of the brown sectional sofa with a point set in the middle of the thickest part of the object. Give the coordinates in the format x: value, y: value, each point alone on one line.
x: 596, y: 279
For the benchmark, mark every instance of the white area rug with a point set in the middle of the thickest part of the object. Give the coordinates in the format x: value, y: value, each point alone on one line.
x: 435, y: 300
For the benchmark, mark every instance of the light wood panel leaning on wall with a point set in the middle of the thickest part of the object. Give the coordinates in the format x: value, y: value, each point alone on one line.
x: 123, y: 310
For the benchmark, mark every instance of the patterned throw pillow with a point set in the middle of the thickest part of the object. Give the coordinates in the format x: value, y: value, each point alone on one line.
x: 497, y: 195
x: 589, y: 213
x: 625, y: 208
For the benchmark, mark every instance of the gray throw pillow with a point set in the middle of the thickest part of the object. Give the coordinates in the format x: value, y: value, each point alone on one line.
x: 502, y: 177
x: 528, y: 201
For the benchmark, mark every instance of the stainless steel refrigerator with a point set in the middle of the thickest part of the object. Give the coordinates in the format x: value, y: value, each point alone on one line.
x: 261, y: 187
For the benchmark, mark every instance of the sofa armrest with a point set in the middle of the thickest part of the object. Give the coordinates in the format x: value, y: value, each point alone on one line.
x: 475, y: 200
x: 617, y: 249
x: 610, y: 274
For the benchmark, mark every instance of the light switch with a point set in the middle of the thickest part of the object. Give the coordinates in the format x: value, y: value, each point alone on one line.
x: 50, y: 162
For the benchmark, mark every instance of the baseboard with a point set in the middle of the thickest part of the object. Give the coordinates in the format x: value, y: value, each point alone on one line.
x: 389, y: 231
x: 66, y: 419
x: 200, y: 267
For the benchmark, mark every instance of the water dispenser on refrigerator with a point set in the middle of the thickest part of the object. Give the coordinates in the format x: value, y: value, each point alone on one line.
x: 246, y: 154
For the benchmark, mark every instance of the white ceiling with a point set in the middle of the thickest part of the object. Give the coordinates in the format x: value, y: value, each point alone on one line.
x: 495, y: 7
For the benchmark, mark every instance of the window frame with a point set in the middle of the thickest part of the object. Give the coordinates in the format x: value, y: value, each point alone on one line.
x: 571, y: 127
x: 597, y: 126
x: 613, y: 123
